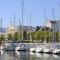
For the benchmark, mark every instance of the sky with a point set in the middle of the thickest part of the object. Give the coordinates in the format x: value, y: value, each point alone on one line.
x: 11, y: 8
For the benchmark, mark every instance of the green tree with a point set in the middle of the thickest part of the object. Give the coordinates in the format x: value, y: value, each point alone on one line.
x: 58, y: 36
x: 37, y: 28
x: 24, y: 35
x: 10, y: 37
x: 20, y: 35
x: 41, y: 35
x: 2, y: 38
x: 15, y: 36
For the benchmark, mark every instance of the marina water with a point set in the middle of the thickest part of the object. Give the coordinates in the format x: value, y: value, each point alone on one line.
x: 19, y: 55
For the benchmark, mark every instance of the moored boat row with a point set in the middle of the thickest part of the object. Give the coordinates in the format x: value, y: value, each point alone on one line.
x: 44, y: 48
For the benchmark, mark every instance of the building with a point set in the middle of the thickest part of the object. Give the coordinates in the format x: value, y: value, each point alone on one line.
x: 54, y: 25
x: 11, y: 29
x: 2, y: 31
x: 26, y: 28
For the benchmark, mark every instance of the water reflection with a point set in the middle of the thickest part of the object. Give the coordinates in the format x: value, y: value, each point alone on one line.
x: 10, y: 55
x: 17, y: 55
x: 32, y: 53
x: 1, y: 52
x: 39, y: 55
x: 46, y: 55
x: 23, y: 55
x: 56, y: 57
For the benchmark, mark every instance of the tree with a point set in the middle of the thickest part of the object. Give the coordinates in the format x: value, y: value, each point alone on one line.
x: 19, y: 35
x: 58, y: 36
x: 33, y: 35
x: 10, y: 37
x: 37, y: 28
x: 15, y: 36
x: 2, y: 38
x: 24, y: 35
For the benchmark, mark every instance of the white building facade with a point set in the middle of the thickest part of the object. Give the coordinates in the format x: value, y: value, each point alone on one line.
x: 11, y: 29
x: 54, y: 25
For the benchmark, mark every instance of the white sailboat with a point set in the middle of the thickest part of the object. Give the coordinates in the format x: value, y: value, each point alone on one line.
x: 46, y: 49
x: 9, y: 46
x: 1, y: 46
x: 56, y: 49
x: 32, y: 48
x: 21, y: 47
x: 39, y: 49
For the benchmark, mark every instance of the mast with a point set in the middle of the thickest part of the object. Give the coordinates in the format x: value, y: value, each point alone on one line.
x: 14, y: 26
x: 53, y: 14
x: 14, y: 20
x: 49, y: 33
x: 19, y: 22
x: 1, y: 29
x: 10, y: 22
x: 45, y: 24
x: 1, y: 26
x: 30, y: 27
x: 19, y: 29
x: 22, y: 18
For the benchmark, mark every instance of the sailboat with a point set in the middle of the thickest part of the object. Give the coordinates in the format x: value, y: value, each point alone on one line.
x: 39, y: 48
x: 47, y: 48
x: 1, y: 46
x: 22, y: 46
x: 10, y: 45
x: 33, y: 47
x: 57, y: 46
